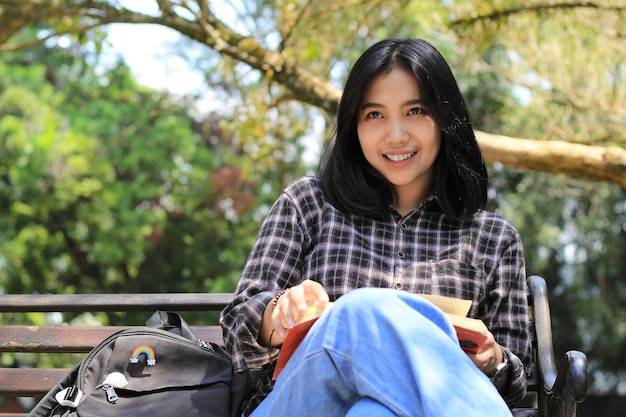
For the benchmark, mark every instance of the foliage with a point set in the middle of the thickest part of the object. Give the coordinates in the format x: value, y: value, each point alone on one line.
x: 106, y: 186
x: 574, y: 235
x: 564, y: 62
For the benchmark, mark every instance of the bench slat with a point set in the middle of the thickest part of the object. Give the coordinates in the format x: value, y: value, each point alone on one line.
x: 46, y: 378
x: 29, y: 382
x: 113, y: 302
x: 74, y: 339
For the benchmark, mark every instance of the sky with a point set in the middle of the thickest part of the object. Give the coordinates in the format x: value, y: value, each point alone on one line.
x: 148, y: 51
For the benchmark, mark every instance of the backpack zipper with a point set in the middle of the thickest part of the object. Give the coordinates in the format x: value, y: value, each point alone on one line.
x: 110, y: 392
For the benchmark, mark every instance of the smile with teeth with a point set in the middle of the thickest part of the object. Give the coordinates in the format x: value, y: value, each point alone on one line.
x: 401, y: 157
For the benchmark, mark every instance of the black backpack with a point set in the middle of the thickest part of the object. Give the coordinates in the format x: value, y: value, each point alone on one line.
x: 161, y: 370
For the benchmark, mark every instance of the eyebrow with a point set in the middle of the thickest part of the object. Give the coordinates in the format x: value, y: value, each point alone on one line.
x: 369, y: 105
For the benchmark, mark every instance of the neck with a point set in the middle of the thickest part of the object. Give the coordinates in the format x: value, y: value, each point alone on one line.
x: 409, y: 198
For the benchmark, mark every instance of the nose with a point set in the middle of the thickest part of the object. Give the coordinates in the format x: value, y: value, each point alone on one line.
x: 397, y: 131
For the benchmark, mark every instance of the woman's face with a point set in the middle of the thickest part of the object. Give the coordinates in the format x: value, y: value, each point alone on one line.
x: 397, y: 136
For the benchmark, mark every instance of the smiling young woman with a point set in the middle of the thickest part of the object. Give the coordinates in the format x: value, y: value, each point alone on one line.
x: 398, y: 137
x: 395, y: 211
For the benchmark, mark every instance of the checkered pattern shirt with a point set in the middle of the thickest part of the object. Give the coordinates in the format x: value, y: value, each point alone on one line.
x: 305, y: 237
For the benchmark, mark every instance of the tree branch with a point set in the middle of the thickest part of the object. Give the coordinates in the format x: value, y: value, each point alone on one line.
x: 166, y: 7
x: 40, y: 41
x: 212, y: 32
x: 534, y: 8
x: 288, y: 31
x: 598, y: 163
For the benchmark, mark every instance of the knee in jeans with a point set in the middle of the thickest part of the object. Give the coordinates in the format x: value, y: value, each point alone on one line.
x: 365, y: 300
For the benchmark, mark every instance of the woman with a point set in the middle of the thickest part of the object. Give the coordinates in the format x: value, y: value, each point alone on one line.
x: 397, y: 207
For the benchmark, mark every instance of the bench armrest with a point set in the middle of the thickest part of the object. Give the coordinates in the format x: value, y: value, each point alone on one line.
x: 570, y: 386
x: 563, y: 387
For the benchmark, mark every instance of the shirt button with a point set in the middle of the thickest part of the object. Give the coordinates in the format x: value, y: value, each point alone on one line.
x: 403, y: 226
x: 401, y: 255
x: 398, y: 285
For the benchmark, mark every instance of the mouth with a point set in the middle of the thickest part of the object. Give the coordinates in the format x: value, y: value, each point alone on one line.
x: 400, y: 157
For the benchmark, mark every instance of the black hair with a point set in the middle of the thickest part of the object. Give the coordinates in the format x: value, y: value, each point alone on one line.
x: 352, y: 185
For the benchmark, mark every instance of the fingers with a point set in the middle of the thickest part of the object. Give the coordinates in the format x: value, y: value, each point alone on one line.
x: 307, y: 293
x: 294, y: 303
x: 488, y: 357
x: 487, y: 366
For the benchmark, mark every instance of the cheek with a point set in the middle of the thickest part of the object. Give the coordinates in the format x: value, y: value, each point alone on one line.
x: 370, y: 133
x: 433, y: 138
x: 437, y: 143
x: 366, y: 151
x: 365, y: 140
x: 361, y: 133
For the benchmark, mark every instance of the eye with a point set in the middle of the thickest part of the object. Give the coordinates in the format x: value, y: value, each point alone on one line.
x: 416, y: 110
x: 373, y: 115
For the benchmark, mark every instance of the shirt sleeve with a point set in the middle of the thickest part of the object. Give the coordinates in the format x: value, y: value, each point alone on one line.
x: 507, y: 315
x: 274, y: 263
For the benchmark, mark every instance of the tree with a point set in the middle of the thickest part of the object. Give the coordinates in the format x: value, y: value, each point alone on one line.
x: 283, y: 52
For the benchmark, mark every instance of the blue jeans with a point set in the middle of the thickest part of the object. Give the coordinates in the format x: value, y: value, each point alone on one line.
x: 382, y: 352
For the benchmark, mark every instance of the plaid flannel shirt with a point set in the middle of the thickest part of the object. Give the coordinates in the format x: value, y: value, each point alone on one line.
x: 305, y: 237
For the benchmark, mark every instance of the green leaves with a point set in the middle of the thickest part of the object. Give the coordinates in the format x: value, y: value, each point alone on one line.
x: 107, y: 187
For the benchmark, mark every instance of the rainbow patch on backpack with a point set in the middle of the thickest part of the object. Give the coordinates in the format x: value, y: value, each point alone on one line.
x: 143, y: 350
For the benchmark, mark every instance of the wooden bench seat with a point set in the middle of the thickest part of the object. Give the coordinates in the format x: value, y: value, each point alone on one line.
x: 553, y: 391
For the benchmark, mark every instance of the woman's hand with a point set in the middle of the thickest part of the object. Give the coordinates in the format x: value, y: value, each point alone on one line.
x: 489, y: 357
x: 293, y: 303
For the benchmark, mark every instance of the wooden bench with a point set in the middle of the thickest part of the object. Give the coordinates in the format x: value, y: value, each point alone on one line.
x: 552, y: 391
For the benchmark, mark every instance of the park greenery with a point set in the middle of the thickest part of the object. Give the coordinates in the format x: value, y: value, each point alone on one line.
x: 109, y: 186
